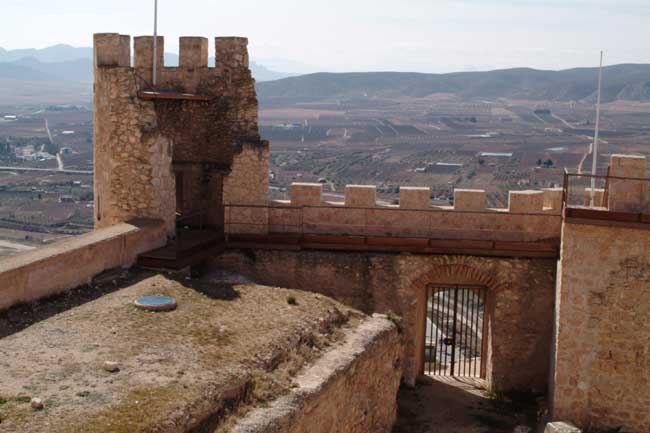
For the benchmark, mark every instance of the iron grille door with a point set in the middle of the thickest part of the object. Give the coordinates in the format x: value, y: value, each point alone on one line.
x: 455, y: 331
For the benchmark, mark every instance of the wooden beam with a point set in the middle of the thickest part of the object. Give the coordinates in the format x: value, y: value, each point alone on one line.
x: 604, y: 215
x: 380, y: 244
x: 149, y: 95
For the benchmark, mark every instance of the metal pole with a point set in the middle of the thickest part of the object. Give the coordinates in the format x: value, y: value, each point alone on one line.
x: 453, y: 333
x: 595, y: 146
x: 155, y: 42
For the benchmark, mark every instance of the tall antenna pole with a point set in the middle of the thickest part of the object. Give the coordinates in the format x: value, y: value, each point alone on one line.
x: 155, y: 42
x: 595, y: 145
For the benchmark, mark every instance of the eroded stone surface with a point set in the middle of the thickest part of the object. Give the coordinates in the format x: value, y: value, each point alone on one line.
x: 350, y: 389
x: 207, y: 354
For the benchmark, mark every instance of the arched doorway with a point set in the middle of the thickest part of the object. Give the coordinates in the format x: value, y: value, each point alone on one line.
x: 445, y: 278
x: 455, y: 330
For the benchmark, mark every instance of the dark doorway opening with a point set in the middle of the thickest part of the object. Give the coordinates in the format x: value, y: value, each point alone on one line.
x: 455, y: 336
x: 179, y: 193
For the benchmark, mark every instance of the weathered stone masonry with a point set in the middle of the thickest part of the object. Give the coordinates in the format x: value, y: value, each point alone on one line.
x: 520, y: 300
x: 192, y: 144
x: 602, y: 371
x: 154, y: 155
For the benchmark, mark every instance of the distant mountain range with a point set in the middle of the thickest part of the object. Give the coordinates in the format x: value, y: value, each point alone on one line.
x: 626, y: 82
x: 62, y: 69
x: 67, y: 63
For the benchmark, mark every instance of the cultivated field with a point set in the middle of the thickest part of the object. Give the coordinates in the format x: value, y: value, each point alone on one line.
x: 441, y: 141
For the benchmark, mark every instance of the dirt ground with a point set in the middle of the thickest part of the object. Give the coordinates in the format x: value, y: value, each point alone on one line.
x: 451, y: 405
x: 226, y: 336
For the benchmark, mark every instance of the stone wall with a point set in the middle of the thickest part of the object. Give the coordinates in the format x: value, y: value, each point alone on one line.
x: 533, y: 215
x: 350, y: 389
x: 73, y: 262
x: 521, y: 293
x: 132, y: 159
x: 602, y: 365
x: 248, y: 182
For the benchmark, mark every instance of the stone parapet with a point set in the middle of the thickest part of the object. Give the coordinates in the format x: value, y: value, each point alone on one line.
x: 232, y: 60
x: 112, y: 50
x: 231, y: 52
x: 469, y: 199
x: 193, y: 52
x: 143, y: 47
x: 73, y: 262
x: 350, y: 389
x: 433, y: 223
x: 306, y: 194
x: 361, y: 195
x: 553, y: 200
x: 418, y: 198
x: 414, y: 197
x: 628, y: 195
x: 529, y: 201
x: 534, y: 215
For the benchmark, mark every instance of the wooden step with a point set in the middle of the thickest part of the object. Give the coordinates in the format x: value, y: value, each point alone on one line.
x: 190, y: 248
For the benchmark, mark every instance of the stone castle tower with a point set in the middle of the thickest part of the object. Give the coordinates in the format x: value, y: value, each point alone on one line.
x: 183, y: 148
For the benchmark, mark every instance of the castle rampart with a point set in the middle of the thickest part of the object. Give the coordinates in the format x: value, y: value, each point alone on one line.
x: 532, y: 216
x: 190, y: 144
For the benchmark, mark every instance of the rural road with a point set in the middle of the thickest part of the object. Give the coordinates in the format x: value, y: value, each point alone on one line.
x: 59, y: 160
x: 46, y: 170
x: 570, y: 126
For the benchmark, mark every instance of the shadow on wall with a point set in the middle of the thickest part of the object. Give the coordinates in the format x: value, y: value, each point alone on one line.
x: 461, y: 407
x: 24, y: 315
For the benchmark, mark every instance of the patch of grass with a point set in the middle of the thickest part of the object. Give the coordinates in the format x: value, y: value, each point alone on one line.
x: 504, y: 411
x: 139, y: 411
x: 495, y: 395
x: 3, y: 401
x: 22, y: 399
x: 291, y: 300
x: 264, y: 404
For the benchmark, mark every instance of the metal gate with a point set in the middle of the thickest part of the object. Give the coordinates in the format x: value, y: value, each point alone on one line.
x: 455, y: 331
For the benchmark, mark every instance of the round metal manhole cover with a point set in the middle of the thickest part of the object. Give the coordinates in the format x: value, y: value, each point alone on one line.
x: 156, y: 303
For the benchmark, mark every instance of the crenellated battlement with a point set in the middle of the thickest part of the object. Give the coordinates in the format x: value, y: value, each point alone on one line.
x: 143, y: 52
x: 113, y: 50
x: 531, y: 217
x: 546, y: 201
x: 193, y: 52
x: 231, y: 52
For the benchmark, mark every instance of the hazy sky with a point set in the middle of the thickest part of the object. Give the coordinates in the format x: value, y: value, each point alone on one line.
x: 356, y: 35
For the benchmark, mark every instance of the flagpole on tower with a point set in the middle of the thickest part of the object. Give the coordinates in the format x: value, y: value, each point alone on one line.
x: 594, y: 149
x: 155, y: 42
